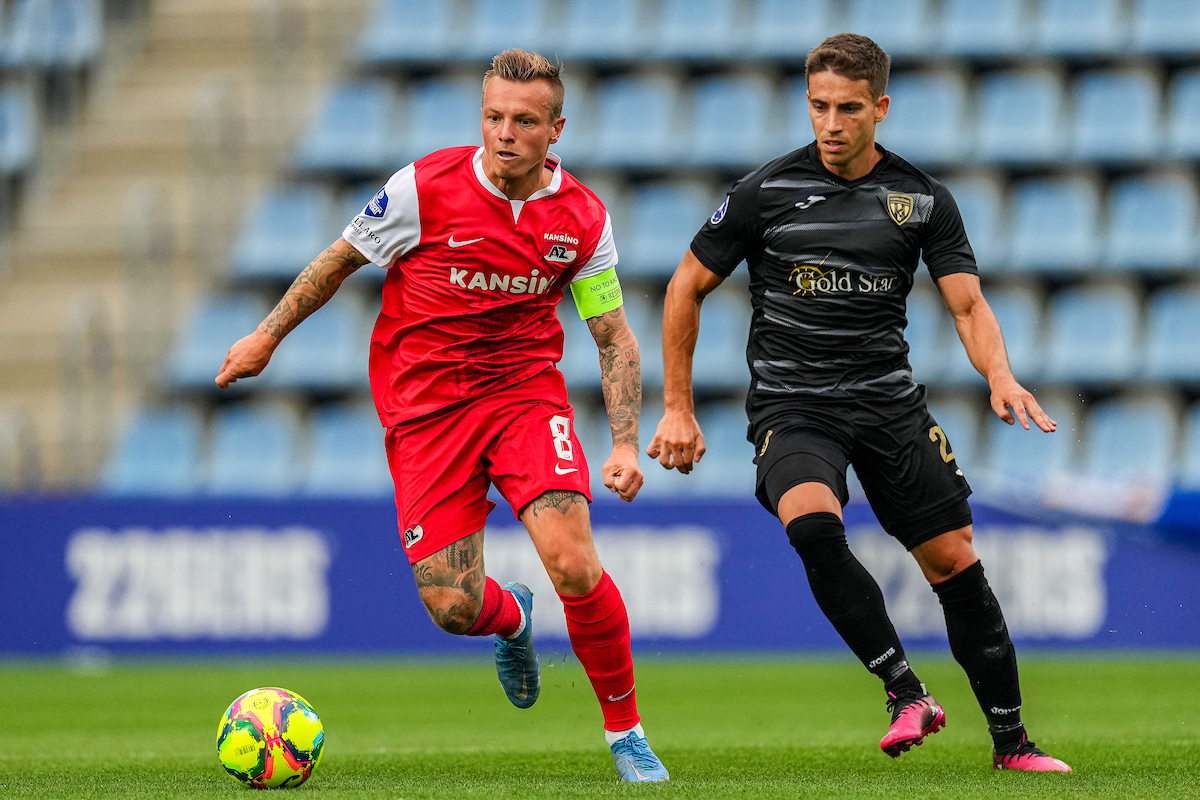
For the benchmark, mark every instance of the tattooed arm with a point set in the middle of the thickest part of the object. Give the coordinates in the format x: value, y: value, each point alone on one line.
x: 621, y: 380
x: 308, y: 292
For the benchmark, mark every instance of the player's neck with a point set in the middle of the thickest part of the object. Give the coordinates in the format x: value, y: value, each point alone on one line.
x: 859, y: 166
x: 523, y: 186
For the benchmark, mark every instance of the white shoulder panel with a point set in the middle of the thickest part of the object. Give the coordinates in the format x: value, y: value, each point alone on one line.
x: 605, y: 255
x: 390, y: 225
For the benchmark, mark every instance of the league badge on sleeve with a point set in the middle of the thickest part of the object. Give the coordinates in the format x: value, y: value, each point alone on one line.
x: 378, y: 204
x: 720, y: 212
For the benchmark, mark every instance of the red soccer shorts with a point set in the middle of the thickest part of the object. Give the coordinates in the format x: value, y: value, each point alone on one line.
x: 521, y: 438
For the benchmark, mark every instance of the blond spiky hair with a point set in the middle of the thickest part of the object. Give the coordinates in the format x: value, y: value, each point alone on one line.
x: 523, y: 67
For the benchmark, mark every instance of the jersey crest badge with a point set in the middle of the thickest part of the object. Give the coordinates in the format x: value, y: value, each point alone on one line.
x: 560, y: 254
x: 378, y: 204
x: 899, y: 207
x: 719, y: 214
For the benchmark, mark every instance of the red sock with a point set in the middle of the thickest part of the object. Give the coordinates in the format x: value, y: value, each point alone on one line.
x: 599, y: 628
x: 500, y: 613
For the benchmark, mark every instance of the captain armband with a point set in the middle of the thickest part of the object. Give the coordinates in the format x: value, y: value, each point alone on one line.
x: 597, y: 294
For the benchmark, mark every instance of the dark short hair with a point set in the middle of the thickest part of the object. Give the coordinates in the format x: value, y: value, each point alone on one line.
x: 524, y: 67
x: 854, y: 57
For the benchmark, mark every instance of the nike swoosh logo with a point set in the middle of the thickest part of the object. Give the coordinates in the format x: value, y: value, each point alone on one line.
x: 524, y: 693
x: 561, y: 471
x: 453, y: 243
x: 637, y: 772
x: 612, y: 699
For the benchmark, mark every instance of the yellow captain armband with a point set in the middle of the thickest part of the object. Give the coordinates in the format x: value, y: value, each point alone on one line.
x: 597, y: 294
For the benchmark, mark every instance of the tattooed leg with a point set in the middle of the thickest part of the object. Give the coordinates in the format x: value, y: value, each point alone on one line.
x: 559, y: 526
x: 451, y: 583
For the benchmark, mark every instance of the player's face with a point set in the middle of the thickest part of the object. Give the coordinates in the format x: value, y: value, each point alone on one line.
x: 844, y: 116
x: 518, y: 130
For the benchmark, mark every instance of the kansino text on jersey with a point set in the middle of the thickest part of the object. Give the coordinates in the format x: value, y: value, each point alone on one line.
x: 493, y: 282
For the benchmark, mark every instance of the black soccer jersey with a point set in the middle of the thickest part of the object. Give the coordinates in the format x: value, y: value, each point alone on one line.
x: 831, y: 264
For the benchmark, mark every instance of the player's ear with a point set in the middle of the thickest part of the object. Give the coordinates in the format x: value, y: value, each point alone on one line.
x: 881, y: 107
x: 556, y: 129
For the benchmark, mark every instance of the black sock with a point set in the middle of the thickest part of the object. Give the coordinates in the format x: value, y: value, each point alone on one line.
x: 980, y: 643
x: 851, y: 599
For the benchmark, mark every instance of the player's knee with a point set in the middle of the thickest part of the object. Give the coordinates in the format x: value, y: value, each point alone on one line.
x: 451, y: 609
x: 574, y: 572
x: 811, y: 534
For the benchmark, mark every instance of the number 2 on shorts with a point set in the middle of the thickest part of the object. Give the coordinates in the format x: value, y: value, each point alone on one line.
x: 560, y: 429
x: 936, y: 434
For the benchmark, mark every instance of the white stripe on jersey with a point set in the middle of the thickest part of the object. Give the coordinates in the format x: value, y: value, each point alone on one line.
x: 390, y: 225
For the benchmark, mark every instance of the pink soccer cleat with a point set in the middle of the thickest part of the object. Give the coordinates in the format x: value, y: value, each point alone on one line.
x: 1026, y: 756
x: 913, y: 718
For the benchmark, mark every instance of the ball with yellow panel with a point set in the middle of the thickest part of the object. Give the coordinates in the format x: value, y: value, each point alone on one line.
x: 270, y: 738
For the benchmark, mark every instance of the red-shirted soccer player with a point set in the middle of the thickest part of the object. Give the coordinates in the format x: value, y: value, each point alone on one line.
x: 479, y: 244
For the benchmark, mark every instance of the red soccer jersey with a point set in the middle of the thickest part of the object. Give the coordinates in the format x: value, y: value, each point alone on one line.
x: 474, y: 279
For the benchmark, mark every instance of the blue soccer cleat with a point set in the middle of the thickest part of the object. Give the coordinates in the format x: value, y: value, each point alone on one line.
x: 636, y: 762
x: 516, y: 660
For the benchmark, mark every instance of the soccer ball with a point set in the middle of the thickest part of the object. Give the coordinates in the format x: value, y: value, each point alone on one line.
x: 270, y: 738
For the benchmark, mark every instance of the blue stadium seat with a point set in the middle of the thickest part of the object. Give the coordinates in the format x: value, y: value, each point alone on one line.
x: 958, y: 417
x: 1018, y: 309
x: 664, y: 218
x: 347, y: 457
x: 796, y: 130
x: 1117, y: 116
x: 1173, y: 336
x: 1166, y: 26
x: 731, y: 121
x: 352, y: 131
x: 18, y: 132
x: 1131, y: 439
x: 497, y: 25
x: 156, y: 456
x: 926, y: 119
x: 602, y: 30
x: 1055, y: 225
x: 1189, y: 464
x: 402, y: 31
x: 215, y: 324
x: 697, y: 29
x: 788, y: 29
x: 54, y: 33
x: 981, y: 204
x: 1093, y: 335
x: 727, y: 467
x: 1081, y: 26
x: 720, y: 358
x: 327, y: 352
x: 1152, y: 224
x: 441, y: 113
x: 254, y: 452
x: 1183, y: 130
x: 580, y: 363
x: 1021, y: 460
x: 926, y: 335
x: 984, y: 27
x: 636, y: 122
x: 1020, y: 117
x: 901, y: 29
x: 289, y: 228
x: 575, y: 143
x: 644, y: 315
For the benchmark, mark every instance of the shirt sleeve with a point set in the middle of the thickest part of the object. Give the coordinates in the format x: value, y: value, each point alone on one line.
x: 604, y: 257
x: 390, y: 225
x: 945, y: 248
x: 731, y: 233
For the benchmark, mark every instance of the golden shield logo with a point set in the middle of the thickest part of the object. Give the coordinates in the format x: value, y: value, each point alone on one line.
x: 900, y: 207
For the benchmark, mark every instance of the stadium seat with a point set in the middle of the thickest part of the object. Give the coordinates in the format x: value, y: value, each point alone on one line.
x: 644, y: 314
x: 1080, y: 26
x: 1018, y: 309
x: 1117, y: 116
x: 1169, y: 27
x: 1093, y: 335
x: 441, y: 113
x: 698, y: 29
x: 254, y: 452
x: 215, y: 324
x: 352, y: 132
x: 984, y: 212
x: 926, y: 335
x: 54, y: 33
x: 731, y: 121
x: 1173, y: 336
x: 664, y: 218
x: 796, y: 130
x: 958, y: 417
x: 1018, y: 460
x: 600, y: 30
x: 720, y: 357
x: 902, y: 29
x: 1183, y: 130
x: 984, y: 27
x: 403, y: 31
x: 636, y: 122
x: 156, y: 456
x: 788, y: 29
x: 328, y: 352
x: 1020, y: 117
x: 575, y: 143
x: 1152, y: 224
x: 288, y: 229
x: 347, y: 456
x: 926, y: 120
x: 1055, y: 225
x: 1132, y: 440
x: 18, y: 132
x: 580, y: 363
x: 1189, y: 464
x: 727, y: 467
x: 497, y: 25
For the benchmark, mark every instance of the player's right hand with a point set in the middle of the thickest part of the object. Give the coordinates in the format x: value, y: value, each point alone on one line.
x: 248, y: 357
x: 678, y: 442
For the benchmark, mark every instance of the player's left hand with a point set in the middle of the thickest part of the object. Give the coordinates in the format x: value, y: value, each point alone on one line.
x: 1010, y: 399
x: 622, y: 475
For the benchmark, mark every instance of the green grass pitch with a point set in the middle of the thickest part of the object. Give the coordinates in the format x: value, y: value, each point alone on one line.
x: 746, y: 727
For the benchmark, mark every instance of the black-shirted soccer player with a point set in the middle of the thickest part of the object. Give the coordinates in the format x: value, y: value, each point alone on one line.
x: 832, y: 234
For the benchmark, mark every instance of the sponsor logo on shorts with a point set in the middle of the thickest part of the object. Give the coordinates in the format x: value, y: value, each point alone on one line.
x: 378, y: 204
x: 413, y: 535
x: 766, y: 442
x: 558, y: 468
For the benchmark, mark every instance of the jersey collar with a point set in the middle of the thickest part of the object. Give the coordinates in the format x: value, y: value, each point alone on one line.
x: 815, y: 155
x: 553, y: 162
